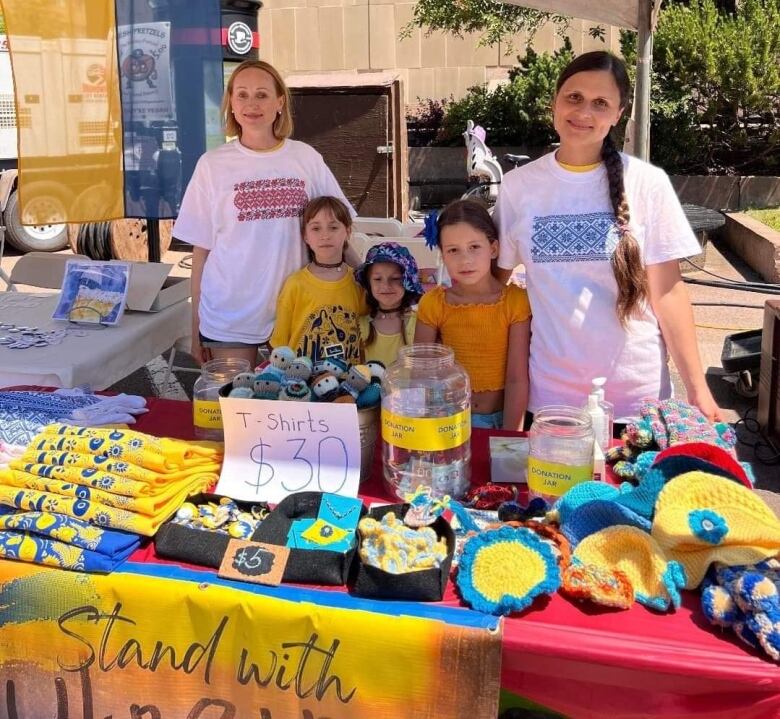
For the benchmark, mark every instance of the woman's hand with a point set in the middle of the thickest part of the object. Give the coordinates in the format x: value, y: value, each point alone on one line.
x: 199, y: 353
x: 703, y: 399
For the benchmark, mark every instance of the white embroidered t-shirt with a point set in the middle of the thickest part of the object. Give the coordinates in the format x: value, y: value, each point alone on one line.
x: 561, y: 226
x: 245, y: 208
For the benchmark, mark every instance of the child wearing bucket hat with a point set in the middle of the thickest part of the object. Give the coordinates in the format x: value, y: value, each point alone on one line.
x: 390, y: 279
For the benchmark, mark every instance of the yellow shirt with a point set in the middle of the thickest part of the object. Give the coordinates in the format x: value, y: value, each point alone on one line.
x: 385, y: 348
x: 478, y: 334
x: 320, y: 319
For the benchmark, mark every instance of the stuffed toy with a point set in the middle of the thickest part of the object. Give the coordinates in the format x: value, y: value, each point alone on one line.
x: 325, y: 386
x: 282, y: 358
x: 378, y: 370
x: 266, y: 386
x: 244, y: 379
x: 357, y: 379
x: 746, y: 599
x: 295, y: 392
x: 336, y: 365
x: 300, y: 369
x: 242, y: 392
x: 371, y: 396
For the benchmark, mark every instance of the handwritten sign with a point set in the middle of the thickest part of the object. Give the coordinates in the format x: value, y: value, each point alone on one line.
x: 254, y: 562
x: 274, y: 448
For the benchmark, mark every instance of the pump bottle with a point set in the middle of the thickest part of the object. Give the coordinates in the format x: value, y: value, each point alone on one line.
x: 602, y: 413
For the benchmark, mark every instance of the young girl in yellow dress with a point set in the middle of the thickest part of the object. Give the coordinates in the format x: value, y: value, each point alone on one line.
x: 390, y: 278
x: 318, y: 311
x: 484, y: 321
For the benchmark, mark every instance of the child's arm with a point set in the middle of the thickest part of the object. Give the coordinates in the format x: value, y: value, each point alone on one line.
x: 516, y: 381
x: 424, y: 333
x: 285, y: 311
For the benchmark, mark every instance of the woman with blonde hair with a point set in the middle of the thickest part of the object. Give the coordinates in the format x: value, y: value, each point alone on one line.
x: 241, y: 212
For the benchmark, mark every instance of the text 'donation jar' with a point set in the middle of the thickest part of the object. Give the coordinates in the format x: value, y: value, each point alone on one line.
x: 426, y: 422
x: 561, y: 451
x: 206, y: 415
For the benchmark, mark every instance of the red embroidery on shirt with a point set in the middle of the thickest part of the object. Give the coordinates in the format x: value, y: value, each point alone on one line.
x: 270, y: 199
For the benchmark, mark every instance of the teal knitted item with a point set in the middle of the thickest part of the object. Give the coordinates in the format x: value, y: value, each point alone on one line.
x: 598, y: 514
x: 580, y: 494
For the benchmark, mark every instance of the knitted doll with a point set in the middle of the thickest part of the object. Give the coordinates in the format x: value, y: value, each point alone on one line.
x: 325, y: 386
x: 357, y: 379
x: 300, y: 369
x: 295, y: 391
x: 266, y: 386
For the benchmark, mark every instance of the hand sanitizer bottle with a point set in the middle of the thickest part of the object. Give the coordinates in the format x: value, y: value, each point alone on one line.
x: 604, y: 432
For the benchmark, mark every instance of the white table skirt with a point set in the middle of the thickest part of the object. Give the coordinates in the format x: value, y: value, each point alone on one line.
x: 96, y: 356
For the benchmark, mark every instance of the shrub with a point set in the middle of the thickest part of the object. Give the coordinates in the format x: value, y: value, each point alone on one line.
x: 517, y: 112
x: 715, y: 95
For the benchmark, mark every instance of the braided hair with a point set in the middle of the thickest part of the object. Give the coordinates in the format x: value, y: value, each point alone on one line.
x: 626, y: 260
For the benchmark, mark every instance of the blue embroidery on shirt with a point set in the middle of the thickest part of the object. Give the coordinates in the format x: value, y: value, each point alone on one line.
x: 574, y: 238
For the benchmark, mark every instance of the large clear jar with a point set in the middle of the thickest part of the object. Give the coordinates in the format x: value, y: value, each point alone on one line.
x: 214, y: 374
x: 426, y: 422
x: 561, y: 451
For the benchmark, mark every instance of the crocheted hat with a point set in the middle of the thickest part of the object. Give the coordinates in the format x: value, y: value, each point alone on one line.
x: 578, y: 495
x: 701, y: 518
x: 399, y: 255
x: 709, y: 453
x: 503, y: 570
x: 598, y: 514
x: 656, y: 581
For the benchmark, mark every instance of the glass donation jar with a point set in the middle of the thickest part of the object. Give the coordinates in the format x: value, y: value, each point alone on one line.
x: 214, y: 374
x: 561, y: 451
x: 426, y: 422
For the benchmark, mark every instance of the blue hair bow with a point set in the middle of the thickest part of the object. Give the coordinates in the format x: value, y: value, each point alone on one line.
x: 431, y: 230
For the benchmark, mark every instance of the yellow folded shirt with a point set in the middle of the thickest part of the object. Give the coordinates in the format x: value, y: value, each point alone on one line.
x: 94, y: 512
x: 149, y: 505
x: 156, y: 453
x: 101, y: 464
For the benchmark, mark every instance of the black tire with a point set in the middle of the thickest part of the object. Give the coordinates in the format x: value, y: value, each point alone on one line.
x: 39, y: 238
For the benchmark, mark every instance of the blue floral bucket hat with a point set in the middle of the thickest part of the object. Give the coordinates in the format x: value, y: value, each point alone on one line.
x: 398, y: 254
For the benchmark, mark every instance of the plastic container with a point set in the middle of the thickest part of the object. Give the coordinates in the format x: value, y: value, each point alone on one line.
x: 206, y: 416
x: 426, y: 422
x: 561, y: 451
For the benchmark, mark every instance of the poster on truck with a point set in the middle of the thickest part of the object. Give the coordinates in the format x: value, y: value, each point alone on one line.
x: 145, y: 72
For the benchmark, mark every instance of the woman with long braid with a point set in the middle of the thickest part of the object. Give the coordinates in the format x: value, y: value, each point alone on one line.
x: 600, y: 234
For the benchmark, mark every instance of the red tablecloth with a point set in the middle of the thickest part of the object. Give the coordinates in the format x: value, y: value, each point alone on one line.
x: 589, y: 662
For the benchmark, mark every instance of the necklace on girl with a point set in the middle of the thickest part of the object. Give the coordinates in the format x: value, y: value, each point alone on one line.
x: 386, y: 314
x: 329, y: 265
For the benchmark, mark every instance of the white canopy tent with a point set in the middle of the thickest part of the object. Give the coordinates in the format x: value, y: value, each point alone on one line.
x: 639, y: 15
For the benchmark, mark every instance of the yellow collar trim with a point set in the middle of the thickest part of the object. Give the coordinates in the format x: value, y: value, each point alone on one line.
x: 578, y: 168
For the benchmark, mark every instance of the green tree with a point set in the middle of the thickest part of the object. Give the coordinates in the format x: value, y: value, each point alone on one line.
x: 497, y: 21
x: 715, y: 97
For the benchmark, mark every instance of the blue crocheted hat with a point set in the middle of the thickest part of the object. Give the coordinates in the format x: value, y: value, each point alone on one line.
x: 599, y: 514
x: 399, y: 255
x: 503, y: 570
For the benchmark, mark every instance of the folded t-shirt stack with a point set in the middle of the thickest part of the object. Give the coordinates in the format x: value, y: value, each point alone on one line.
x: 65, y: 542
x: 118, y: 479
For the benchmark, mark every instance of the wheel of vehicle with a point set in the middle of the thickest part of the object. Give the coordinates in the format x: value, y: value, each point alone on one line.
x: 746, y: 385
x: 41, y: 238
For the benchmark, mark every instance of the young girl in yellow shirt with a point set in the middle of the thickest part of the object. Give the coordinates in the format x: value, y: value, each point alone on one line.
x: 390, y: 278
x: 318, y: 311
x: 485, y: 322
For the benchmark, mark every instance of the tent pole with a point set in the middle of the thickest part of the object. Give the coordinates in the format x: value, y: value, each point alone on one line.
x: 643, y: 71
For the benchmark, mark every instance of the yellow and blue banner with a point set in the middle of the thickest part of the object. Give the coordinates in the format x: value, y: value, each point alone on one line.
x: 115, y: 100
x: 154, y: 641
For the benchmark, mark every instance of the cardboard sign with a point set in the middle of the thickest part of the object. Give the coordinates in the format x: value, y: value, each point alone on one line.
x: 254, y: 562
x: 275, y: 448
